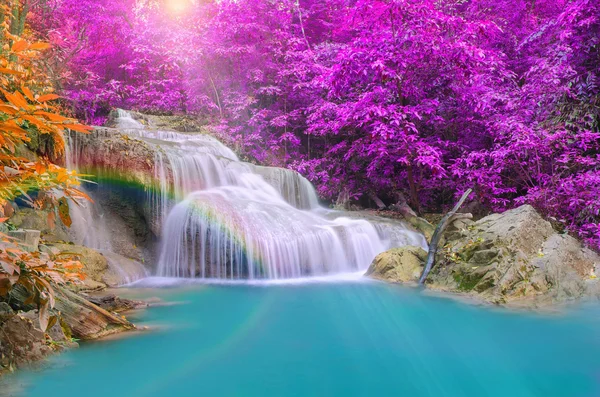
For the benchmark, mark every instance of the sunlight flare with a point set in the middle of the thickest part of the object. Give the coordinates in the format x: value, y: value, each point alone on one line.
x: 178, y: 6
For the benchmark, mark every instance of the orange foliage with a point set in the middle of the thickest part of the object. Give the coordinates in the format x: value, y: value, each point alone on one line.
x: 26, y: 108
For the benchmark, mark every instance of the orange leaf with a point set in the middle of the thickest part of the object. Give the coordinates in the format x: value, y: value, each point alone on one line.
x: 40, y: 168
x: 44, y: 316
x: 41, y: 124
x: 40, y: 46
x: 48, y: 97
x: 28, y: 93
x: 10, y: 268
x: 79, y: 128
x: 53, y: 116
x: 9, y: 71
x: 20, y: 46
x: 63, y: 211
x: 13, y: 127
x: 8, y: 109
x: 16, y: 99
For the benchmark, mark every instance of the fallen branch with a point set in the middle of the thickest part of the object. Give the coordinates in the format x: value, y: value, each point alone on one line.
x: 437, y: 236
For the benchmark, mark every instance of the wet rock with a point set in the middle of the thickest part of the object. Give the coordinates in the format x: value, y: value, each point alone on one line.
x: 122, y: 270
x: 22, y: 342
x: 113, y: 303
x: 420, y: 224
x: 129, y: 225
x: 183, y: 123
x: 398, y: 265
x: 114, y: 156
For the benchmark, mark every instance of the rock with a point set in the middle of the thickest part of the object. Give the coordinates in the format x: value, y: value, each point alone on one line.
x: 130, y: 226
x: 103, y: 268
x: 5, y: 309
x: 183, y: 123
x: 59, y: 333
x: 514, y: 258
x: 113, y: 303
x: 21, y: 342
x: 95, y: 265
x: 422, y: 226
x: 398, y: 265
x: 522, y: 229
x: 122, y: 270
x: 31, y: 219
x: 30, y: 238
x: 110, y: 155
x: 48, y: 249
x: 85, y: 319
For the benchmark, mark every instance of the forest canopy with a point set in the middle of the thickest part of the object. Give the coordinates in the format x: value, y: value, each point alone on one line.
x: 366, y: 98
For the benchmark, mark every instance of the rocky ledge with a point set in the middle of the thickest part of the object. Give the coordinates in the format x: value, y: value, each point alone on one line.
x: 22, y: 342
x: 515, y: 259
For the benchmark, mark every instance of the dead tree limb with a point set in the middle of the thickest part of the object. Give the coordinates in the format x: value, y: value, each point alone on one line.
x: 437, y: 236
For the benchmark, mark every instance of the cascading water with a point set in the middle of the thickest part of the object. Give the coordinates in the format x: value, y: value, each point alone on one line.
x: 88, y: 227
x: 227, y: 219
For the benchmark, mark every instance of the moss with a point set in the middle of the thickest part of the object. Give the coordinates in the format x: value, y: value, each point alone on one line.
x: 65, y: 328
x: 485, y: 284
x: 466, y: 281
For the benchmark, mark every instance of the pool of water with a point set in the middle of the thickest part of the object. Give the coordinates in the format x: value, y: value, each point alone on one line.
x: 330, y: 339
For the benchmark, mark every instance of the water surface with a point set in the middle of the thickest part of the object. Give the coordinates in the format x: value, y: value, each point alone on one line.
x: 331, y: 339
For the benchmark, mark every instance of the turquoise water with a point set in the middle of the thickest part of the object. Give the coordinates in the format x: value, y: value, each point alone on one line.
x: 340, y: 339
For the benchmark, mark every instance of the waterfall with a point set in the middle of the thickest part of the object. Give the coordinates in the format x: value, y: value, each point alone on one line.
x: 88, y: 226
x: 186, y: 163
x: 237, y: 232
x: 228, y: 219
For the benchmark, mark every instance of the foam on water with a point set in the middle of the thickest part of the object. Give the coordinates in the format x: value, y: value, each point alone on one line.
x: 174, y: 282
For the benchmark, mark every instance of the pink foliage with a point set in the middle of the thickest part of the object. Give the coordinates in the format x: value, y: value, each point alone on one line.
x: 365, y: 97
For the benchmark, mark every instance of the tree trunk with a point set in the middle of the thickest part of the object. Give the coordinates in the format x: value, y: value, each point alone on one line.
x: 437, y: 236
x: 414, y: 197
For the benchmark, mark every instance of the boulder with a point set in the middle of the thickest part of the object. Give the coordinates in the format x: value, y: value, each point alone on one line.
x: 398, y: 265
x: 22, y: 342
x: 180, y: 123
x: 514, y: 257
